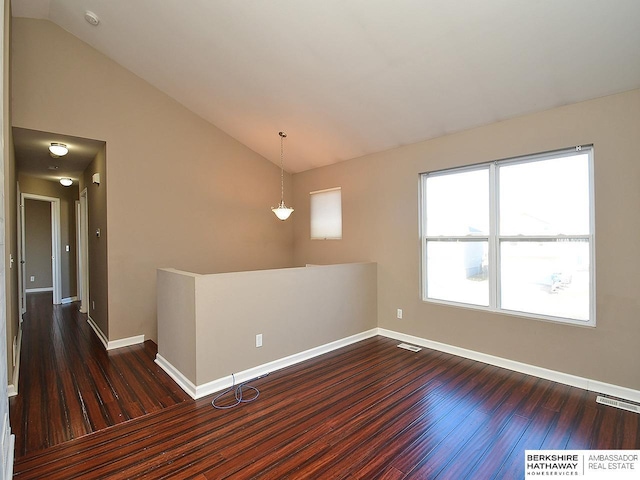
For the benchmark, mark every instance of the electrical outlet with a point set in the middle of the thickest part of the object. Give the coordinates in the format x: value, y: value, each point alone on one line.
x: 32, y: 278
x: 399, y: 313
x: 258, y: 340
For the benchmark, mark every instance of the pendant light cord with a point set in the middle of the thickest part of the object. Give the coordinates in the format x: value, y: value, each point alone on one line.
x: 282, y: 137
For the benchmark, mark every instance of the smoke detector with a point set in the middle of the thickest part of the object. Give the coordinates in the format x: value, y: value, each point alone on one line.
x: 92, y: 18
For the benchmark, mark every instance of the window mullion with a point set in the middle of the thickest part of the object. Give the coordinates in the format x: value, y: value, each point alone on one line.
x: 494, y: 281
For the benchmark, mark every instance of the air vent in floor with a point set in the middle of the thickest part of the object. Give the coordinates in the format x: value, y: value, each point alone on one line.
x: 406, y: 346
x: 618, y: 404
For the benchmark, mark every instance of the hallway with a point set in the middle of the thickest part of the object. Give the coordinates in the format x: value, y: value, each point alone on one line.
x: 71, y: 386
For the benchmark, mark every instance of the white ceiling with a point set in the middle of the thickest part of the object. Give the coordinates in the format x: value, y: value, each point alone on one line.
x: 346, y: 78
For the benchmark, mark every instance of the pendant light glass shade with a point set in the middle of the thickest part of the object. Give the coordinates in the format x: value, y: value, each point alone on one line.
x: 282, y: 211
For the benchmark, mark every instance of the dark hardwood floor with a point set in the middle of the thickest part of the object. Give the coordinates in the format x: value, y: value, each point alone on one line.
x: 366, y: 411
x: 70, y: 385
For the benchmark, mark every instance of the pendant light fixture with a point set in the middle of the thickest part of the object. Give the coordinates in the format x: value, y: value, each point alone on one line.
x: 282, y: 211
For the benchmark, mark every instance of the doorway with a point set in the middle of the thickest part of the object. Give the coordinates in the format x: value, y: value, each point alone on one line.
x: 40, y: 220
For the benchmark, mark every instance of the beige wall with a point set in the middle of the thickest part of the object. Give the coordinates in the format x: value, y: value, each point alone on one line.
x: 380, y: 223
x: 98, y: 304
x: 68, y: 197
x: 37, y: 244
x: 208, y: 323
x: 180, y: 192
x: 177, y: 330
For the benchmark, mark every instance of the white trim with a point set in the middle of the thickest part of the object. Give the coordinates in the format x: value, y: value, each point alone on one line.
x: 69, y: 300
x: 83, y: 249
x: 9, y: 455
x: 183, y: 382
x: 326, y: 190
x: 22, y: 285
x: 199, y: 391
x: 12, y: 388
x: 103, y: 338
x: 56, y: 266
x: 113, y: 344
x: 125, y: 342
x: 553, y: 375
x: 39, y: 290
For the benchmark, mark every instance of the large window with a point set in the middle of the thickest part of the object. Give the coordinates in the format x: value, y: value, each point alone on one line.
x: 513, y: 236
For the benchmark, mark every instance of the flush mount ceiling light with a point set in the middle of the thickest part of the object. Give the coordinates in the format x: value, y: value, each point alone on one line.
x: 66, y: 182
x: 282, y: 211
x: 58, y: 149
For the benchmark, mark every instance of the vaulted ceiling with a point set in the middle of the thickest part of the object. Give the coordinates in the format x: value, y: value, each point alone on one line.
x: 346, y: 78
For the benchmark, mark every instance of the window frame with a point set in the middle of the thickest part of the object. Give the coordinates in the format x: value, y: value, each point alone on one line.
x: 495, y: 239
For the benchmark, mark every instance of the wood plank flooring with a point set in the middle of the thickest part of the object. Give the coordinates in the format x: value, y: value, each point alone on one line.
x: 70, y: 385
x: 366, y: 411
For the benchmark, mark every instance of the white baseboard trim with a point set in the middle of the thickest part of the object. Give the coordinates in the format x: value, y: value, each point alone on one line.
x: 199, y: 391
x: 125, y: 342
x: 113, y: 344
x: 553, y: 375
x: 8, y: 456
x: 184, y: 383
x: 66, y: 300
x: 12, y: 388
x: 38, y: 290
x: 103, y: 338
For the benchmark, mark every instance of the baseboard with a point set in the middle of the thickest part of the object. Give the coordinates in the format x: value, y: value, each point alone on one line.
x: 184, y: 383
x: 8, y: 456
x: 113, y: 344
x: 125, y: 342
x: 12, y: 388
x: 66, y: 300
x: 199, y: 391
x: 38, y: 290
x: 103, y: 338
x: 553, y: 375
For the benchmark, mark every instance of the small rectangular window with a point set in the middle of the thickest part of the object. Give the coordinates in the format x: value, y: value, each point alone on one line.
x: 326, y: 214
x: 513, y: 236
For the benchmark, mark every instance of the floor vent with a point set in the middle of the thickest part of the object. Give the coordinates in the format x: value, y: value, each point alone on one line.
x: 618, y: 404
x: 406, y: 346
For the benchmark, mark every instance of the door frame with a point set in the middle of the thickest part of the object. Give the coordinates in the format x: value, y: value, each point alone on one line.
x: 21, y: 280
x: 56, y: 268
x: 82, y: 229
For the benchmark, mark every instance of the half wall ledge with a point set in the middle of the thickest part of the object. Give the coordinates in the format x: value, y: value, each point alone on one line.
x: 208, y: 324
